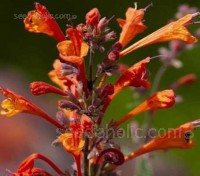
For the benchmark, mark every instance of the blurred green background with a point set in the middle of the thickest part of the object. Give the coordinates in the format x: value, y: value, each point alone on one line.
x: 33, y: 54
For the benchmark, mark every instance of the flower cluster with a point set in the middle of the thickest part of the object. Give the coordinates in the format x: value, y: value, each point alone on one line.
x: 84, y: 98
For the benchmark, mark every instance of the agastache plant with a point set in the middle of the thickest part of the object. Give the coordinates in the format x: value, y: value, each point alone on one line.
x: 86, y: 96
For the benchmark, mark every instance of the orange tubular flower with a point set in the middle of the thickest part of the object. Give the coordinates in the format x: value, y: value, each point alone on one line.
x: 41, y: 21
x: 163, y: 99
x: 134, y: 76
x: 15, y: 104
x: 177, y: 138
x: 93, y: 17
x: 64, y: 82
x: 27, y: 166
x: 132, y: 25
x: 184, y: 80
x: 87, y: 124
x: 173, y: 31
x: 73, y: 51
x: 73, y: 143
x: 39, y: 88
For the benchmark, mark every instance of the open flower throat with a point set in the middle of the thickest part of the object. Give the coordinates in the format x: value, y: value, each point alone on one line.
x: 85, y: 96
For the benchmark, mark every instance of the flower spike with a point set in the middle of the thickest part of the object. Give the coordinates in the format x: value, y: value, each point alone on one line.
x: 173, y: 31
x: 162, y: 99
x: 86, y: 94
x: 15, y: 104
x: 41, y: 21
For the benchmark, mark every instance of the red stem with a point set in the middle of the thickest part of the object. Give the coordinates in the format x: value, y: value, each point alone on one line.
x: 78, y: 164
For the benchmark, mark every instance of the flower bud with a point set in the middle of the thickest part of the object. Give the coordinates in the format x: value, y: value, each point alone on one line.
x: 39, y: 88
x: 103, y: 24
x: 109, y: 37
x: 93, y: 17
x: 62, y: 118
x: 113, y: 55
x: 67, y: 105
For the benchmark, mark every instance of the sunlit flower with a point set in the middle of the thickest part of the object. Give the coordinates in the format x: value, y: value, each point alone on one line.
x: 15, y: 104
x: 41, y: 21
x: 173, y: 31
x: 73, y: 144
x: 176, y: 138
x: 134, y: 76
x: 132, y: 25
x: 162, y: 99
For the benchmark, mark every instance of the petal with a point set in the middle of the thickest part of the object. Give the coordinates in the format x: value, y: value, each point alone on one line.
x: 160, y: 100
x: 69, y: 143
x: 54, y: 78
x: 8, y: 108
x: 39, y: 88
x: 134, y: 76
x: 66, y: 49
x: 76, y: 38
x: 176, y: 138
x: 131, y: 26
x: 87, y: 124
x: 172, y: 31
x: 93, y: 17
x: 84, y: 49
x: 16, y: 103
x: 41, y: 21
x: 35, y: 23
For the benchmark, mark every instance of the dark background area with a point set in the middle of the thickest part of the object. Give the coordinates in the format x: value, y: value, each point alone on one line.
x: 33, y: 55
